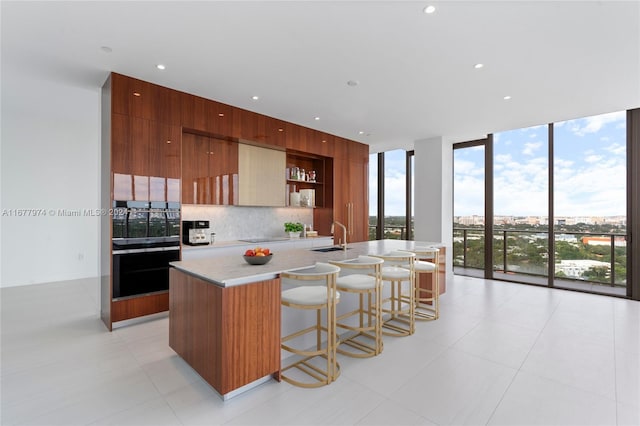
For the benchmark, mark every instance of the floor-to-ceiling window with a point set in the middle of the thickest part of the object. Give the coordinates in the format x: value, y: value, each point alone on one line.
x: 590, y: 201
x: 395, y: 186
x: 520, y: 204
x: 373, y: 196
x: 557, y: 201
x: 469, y: 207
x: 391, y: 195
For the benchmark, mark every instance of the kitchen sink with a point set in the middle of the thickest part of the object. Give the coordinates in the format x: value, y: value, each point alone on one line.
x: 328, y: 249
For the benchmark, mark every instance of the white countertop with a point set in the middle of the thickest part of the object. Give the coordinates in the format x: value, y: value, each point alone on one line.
x: 227, y: 271
x: 233, y: 243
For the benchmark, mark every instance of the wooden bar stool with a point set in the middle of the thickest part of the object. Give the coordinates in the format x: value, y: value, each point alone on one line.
x: 315, y: 289
x: 427, y: 307
x: 361, y: 276
x: 398, y: 317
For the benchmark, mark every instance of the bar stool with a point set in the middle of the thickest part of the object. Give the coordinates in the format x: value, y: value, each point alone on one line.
x: 361, y: 276
x: 427, y: 307
x: 398, y: 317
x: 315, y: 289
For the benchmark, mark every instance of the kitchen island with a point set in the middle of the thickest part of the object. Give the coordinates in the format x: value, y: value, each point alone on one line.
x: 225, y: 316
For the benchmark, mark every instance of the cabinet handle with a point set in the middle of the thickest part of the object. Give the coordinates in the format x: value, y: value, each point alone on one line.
x: 350, y: 210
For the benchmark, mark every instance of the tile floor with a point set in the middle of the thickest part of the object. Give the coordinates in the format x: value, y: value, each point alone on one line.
x: 501, y: 354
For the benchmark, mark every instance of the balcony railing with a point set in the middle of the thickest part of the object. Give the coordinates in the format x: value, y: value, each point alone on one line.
x: 579, y: 256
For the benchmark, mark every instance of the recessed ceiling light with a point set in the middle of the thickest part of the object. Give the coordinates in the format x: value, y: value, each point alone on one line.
x: 353, y: 83
x: 361, y: 132
x: 281, y: 130
x: 160, y: 66
x: 324, y: 141
x: 506, y: 98
x: 316, y: 118
x: 429, y: 9
x: 136, y: 94
x: 106, y: 49
x: 220, y: 114
x: 255, y: 98
x: 478, y: 66
x: 168, y: 141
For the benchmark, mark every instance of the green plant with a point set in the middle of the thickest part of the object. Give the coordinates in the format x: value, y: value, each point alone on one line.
x: 293, y: 227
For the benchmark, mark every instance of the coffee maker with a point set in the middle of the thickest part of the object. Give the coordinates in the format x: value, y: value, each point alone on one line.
x: 195, y: 232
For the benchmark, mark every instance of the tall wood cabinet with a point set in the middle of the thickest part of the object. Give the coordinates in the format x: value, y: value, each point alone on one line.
x: 351, y: 195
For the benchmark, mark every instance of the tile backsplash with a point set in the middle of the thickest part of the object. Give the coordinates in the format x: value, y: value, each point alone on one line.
x: 235, y: 223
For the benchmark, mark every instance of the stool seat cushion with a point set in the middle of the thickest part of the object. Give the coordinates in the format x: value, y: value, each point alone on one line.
x: 356, y: 282
x: 395, y: 273
x: 423, y: 266
x: 307, y: 295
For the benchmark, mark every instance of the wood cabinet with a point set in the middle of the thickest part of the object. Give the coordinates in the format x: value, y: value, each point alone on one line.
x: 209, y: 170
x: 166, y: 145
x: 261, y: 176
x: 351, y: 196
x: 230, y: 335
x: 145, y: 160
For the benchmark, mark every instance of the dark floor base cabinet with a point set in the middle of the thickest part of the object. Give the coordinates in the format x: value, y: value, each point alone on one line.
x: 229, y: 335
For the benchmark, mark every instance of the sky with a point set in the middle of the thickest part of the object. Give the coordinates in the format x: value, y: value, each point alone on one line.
x: 590, y: 172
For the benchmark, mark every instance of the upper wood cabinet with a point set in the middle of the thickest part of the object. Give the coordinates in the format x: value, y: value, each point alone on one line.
x: 251, y: 126
x: 209, y: 170
x: 275, y: 131
x: 204, y: 137
x: 145, y: 159
x: 261, y: 176
x: 137, y: 98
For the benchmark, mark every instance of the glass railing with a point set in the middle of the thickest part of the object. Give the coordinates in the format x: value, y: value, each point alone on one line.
x: 579, y: 256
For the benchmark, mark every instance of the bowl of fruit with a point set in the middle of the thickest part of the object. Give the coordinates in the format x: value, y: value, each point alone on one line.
x: 257, y: 256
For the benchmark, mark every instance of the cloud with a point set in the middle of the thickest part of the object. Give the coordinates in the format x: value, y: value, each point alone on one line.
x: 617, y: 149
x: 531, y: 147
x: 583, y: 126
x: 593, y: 158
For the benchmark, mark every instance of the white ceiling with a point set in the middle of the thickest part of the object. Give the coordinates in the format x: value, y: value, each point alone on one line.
x: 557, y: 59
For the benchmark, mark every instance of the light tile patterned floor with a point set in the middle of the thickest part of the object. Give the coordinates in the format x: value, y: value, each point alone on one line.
x: 501, y: 354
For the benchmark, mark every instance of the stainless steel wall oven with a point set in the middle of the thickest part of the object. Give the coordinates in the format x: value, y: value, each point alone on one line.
x: 146, y: 237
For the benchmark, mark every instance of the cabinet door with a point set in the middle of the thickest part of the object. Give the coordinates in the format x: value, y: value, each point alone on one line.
x: 261, y: 176
x: 195, y: 169
x: 223, y: 172
x: 164, y: 155
x: 358, y: 205
x: 350, y: 189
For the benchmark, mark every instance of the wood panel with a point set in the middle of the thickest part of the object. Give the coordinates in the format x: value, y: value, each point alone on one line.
x: 193, y: 112
x: 120, y: 142
x: 223, y: 172
x: 230, y: 336
x: 251, y: 338
x: 251, y: 125
x: 139, y: 306
x: 261, y: 176
x: 167, y: 106
x: 195, y: 169
x: 275, y: 131
x: 164, y: 150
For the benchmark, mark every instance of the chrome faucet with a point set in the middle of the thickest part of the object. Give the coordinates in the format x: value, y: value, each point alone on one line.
x: 344, y: 230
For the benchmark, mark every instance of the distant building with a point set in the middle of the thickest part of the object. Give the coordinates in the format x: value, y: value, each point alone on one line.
x: 604, y: 241
x: 577, y: 268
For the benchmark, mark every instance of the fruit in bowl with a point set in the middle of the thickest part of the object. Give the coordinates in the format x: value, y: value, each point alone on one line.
x: 257, y: 256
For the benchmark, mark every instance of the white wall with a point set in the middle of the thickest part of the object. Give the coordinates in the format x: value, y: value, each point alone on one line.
x: 50, y: 160
x: 433, y: 193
